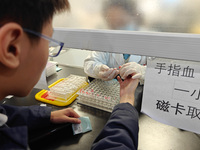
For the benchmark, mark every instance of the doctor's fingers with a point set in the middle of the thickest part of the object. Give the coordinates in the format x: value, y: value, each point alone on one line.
x: 129, y: 64
x: 125, y: 65
x: 105, y: 74
x: 126, y: 73
x: 110, y: 75
x: 124, y: 68
x: 104, y: 68
x: 137, y: 76
x: 113, y: 74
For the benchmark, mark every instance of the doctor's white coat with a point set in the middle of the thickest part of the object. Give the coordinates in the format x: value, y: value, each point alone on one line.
x: 112, y: 60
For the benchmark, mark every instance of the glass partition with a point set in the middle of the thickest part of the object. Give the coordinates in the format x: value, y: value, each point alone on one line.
x: 180, y: 16
x: 153, y: 16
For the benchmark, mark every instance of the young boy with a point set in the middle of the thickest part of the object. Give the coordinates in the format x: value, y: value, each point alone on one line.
x: 23, y: 56
x: 25, y: 31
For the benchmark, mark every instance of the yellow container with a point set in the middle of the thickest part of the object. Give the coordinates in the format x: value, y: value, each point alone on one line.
x: 43, y: 95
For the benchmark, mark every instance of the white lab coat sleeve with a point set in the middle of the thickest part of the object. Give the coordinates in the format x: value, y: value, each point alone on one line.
x: 93, y: 62
x: 143, y: 71
x: 143, y: 60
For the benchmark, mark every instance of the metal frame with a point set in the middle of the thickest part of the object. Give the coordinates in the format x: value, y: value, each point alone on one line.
x: 152, y: 44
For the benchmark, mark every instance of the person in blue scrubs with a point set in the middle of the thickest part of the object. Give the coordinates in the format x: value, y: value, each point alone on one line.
x: 118, y: 15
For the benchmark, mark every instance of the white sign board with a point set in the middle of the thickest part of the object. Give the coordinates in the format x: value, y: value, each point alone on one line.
x: 172, y: 93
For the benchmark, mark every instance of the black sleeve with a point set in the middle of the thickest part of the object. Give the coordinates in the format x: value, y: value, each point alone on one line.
x: 31, y: 116
x: 121, y: 130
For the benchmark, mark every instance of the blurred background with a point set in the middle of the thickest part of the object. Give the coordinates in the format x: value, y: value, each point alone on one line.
x: 175, y: 16
x: 181, y: 16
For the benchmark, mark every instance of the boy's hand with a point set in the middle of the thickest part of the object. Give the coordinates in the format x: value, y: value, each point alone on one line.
x: 64, y: 115
x: 127, y: 89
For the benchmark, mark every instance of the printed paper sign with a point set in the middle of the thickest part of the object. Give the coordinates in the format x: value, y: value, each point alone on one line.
x: 172, y: 93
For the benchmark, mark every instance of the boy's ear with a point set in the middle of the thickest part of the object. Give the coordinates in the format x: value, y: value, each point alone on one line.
x: 10, y: 38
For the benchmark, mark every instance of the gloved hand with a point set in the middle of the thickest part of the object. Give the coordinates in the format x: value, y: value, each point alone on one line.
x: 134, y: 69
x: 105, y: 73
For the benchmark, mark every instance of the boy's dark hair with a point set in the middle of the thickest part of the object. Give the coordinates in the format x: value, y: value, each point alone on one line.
x: 30, y: 14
